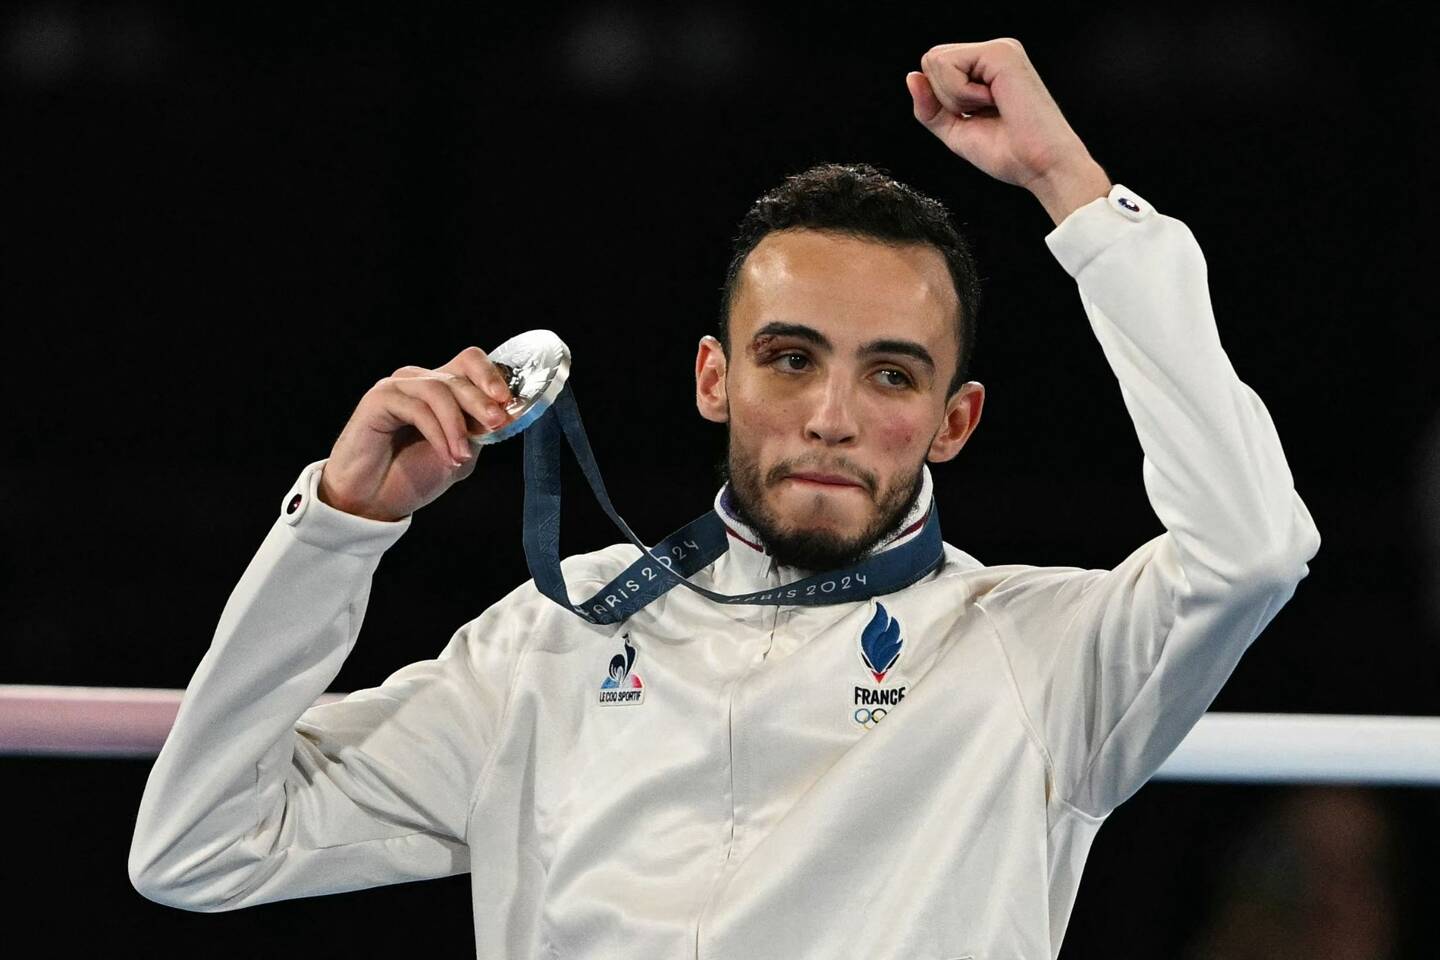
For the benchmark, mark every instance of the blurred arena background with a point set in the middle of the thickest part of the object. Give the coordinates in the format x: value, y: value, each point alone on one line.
x: 224, y: 223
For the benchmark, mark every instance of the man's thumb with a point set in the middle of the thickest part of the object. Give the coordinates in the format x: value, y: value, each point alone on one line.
x: 927, y: 106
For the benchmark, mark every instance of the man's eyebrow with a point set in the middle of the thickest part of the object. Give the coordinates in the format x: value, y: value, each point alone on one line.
x: 798, y: 330
x: 905, y: 348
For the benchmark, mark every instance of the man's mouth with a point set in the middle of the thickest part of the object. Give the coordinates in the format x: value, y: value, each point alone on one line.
x: 827, y: 479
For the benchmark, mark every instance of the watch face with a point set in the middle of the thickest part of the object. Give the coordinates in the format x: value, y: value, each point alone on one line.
x: 536, y: 365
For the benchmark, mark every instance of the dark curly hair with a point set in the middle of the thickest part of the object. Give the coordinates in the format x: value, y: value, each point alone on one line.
x: 867, y: 203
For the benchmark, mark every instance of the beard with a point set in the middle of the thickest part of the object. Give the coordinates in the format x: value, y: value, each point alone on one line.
x: 816, y: 550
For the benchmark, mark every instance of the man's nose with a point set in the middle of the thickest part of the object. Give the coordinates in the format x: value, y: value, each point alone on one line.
x: 832, y: 418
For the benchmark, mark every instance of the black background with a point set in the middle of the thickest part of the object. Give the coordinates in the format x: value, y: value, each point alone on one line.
x: 222, y: 226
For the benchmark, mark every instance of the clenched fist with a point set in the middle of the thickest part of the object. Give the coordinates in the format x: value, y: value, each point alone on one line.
x: 409, y: 438
x: 988, y: 105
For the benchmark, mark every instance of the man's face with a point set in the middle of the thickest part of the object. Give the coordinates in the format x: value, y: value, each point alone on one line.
x: 841, y: 350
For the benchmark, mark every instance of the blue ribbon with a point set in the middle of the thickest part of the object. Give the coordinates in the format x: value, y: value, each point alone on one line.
x: 684, y: 552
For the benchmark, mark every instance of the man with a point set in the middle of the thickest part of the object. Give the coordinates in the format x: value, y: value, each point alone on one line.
x: 918, y: 774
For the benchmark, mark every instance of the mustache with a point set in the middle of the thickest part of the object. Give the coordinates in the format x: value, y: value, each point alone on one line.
x: 841, y: 465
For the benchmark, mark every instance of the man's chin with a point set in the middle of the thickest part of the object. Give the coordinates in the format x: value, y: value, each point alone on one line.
x: 818, y: 540
x: 827, y: 530
x: 815, y: 551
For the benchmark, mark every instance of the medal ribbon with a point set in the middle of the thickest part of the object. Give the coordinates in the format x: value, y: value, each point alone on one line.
x: 686, y: 551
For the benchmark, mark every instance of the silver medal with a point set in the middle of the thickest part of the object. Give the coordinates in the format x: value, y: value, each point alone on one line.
x: 536, y: 365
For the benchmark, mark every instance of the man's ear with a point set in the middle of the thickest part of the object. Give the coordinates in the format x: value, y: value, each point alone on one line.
x: 962, y: 416
x: 710, y: 367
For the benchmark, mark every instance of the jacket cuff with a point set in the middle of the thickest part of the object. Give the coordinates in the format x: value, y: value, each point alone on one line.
x: 319, y: 524
x: 1089, y: 229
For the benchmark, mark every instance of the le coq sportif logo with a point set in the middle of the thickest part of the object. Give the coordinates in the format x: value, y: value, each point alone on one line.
x: 623, y: 685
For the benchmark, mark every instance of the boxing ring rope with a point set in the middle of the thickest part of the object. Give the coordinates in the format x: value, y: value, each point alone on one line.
x: 1233, y: 747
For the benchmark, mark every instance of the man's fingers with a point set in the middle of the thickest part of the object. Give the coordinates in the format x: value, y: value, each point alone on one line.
x: 959, y: 74
x: 959, y: 95
x: 946, y: 68
x: 444, y: 406
x: 405, y: 408
x: 474, y: 363
x: 940, y: 117
x: 476, y: 403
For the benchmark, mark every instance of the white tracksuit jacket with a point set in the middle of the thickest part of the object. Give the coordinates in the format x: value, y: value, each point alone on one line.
x: 726, y: 795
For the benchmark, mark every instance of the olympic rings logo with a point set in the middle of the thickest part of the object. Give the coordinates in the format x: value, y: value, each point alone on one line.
x: 867, y: 717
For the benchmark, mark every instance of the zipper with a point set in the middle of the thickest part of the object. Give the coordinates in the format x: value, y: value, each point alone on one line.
x: 730, y: 744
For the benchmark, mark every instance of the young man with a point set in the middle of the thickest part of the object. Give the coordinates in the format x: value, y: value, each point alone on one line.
x: 915, y: 774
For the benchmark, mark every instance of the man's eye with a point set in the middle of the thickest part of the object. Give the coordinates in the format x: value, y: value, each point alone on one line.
x: 793, y: 361
x: 895, y: 378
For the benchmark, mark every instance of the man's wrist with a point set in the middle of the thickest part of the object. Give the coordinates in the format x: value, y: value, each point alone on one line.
x: 327, y: 496
x: 1068, y: 188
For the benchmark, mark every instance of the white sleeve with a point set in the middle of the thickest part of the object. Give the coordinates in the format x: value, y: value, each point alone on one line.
x: 259, y: 794
x: 1114, y: 667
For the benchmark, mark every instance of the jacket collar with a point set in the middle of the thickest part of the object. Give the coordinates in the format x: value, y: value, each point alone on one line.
x: 747, y: 564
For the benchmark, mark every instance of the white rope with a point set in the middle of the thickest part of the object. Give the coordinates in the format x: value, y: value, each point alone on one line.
x: 89, y: 721
x: 1309, y: 748
x: 1236, y: 747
